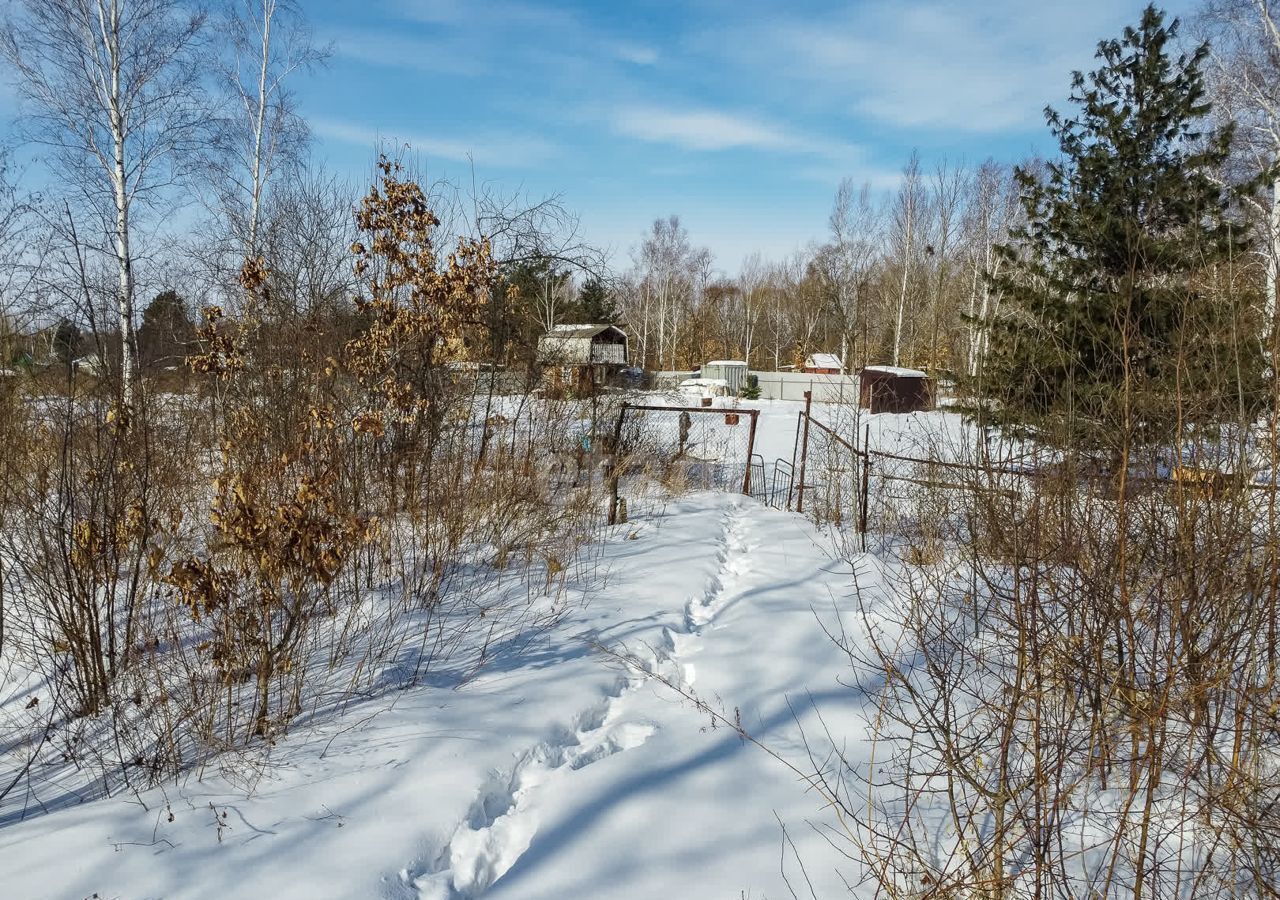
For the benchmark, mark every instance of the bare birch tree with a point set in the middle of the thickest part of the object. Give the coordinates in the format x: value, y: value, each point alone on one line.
x: 908, y: 223
x: 990, y: 212
x: 672, y: 272
x: 267, y: 42
x: 855, y: 225
x: 113, y: 88
x: 752, y: 283
x: 947, y: 189
x: 1244, y: 38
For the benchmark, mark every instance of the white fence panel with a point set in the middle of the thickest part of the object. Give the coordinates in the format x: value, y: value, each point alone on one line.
x: 792, y: 385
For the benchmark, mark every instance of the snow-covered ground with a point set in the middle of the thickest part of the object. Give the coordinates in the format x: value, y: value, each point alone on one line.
x: 559, y: 772
x: 658, y: 741
x: 607, y: 759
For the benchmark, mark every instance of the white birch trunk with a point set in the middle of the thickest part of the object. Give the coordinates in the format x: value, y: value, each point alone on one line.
x: 902, y: 298
x: 109, y: 22
x: 1273, y: 264
x: 662, y: 324
x: 255, y: 201
x: 972, y: 327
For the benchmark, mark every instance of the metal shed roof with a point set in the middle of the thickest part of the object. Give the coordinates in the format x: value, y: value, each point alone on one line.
x: 898, y: 371
x: 582, y: 331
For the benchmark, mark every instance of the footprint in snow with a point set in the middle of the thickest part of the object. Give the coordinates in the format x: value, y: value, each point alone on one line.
x: 502, y: 822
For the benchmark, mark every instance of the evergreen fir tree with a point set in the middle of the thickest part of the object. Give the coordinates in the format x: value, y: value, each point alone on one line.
x: 1111, y: 331
x: 67, y: 341
x: 515, y: 314
x: 595, y: 303
x: 166, y: 332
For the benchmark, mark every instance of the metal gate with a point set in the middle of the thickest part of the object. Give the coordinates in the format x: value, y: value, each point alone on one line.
x: 701, y: 447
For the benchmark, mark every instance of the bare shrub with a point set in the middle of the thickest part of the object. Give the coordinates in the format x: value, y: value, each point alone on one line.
x: 324, y: 509
x: 280, y: 541
x: 1073, y: 667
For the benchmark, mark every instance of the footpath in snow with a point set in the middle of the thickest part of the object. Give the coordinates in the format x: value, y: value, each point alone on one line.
x: 559, y: 772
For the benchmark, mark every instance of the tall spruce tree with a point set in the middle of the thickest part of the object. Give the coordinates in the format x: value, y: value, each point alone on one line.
x: 595, y: 303
x: 167, y: 331
x: 1122, y: 319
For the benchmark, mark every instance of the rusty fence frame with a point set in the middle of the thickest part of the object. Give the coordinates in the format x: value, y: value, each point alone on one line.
x: 614, y: 474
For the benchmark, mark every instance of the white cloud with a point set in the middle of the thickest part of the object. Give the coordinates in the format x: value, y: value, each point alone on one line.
x: 636, y: 54
x: 507, y: 150
x: 928, y: 66
x: 383, y: 49
x: 449, y: 37
x: 696, y: 129
x: 713, y: 130
x: 972, y: 67
x: 489, y: 16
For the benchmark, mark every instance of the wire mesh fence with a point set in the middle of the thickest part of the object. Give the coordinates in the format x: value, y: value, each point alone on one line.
x: 831, y: 474
x: 841, y: 480
x: 689, y: 448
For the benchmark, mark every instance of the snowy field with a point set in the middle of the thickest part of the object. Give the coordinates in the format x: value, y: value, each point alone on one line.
x: 601, y: 761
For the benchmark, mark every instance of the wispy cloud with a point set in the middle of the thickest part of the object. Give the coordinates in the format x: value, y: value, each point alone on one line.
x: 495, y: 14
x: 502, y: 150
x: 678, y: 106
x: 928, y: 66
x: 976, y: 68
x: 405, y: 52
x: 713, y: 130
x: 697, y: 129
x: 536, y: 34
x: 634, y: 53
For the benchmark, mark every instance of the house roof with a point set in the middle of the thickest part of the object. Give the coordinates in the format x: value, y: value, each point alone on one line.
x: 823, y: 361
x: 726, y: 362
x: 897, y: 370
x: 581, y: 331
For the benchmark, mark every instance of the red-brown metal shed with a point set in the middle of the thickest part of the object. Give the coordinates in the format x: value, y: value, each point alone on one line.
x: 895, y: 390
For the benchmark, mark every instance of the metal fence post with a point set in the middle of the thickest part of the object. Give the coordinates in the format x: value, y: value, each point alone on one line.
x: 804, y: 450
x: 864, y: 500
x: 751, y: 449
x: 615, y: 466
x: 795, y: 449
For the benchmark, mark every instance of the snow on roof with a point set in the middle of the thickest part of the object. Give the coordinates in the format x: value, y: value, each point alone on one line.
x: 897, y: 370
x: 726, y: 362
x: 823, y: 361
x: 579, y: 331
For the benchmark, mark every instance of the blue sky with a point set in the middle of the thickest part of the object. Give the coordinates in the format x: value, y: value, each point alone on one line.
x: 741, y: 116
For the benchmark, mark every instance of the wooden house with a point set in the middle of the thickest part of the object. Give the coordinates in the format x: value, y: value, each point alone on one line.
x: 583, y: 357
x: 822, y: 364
